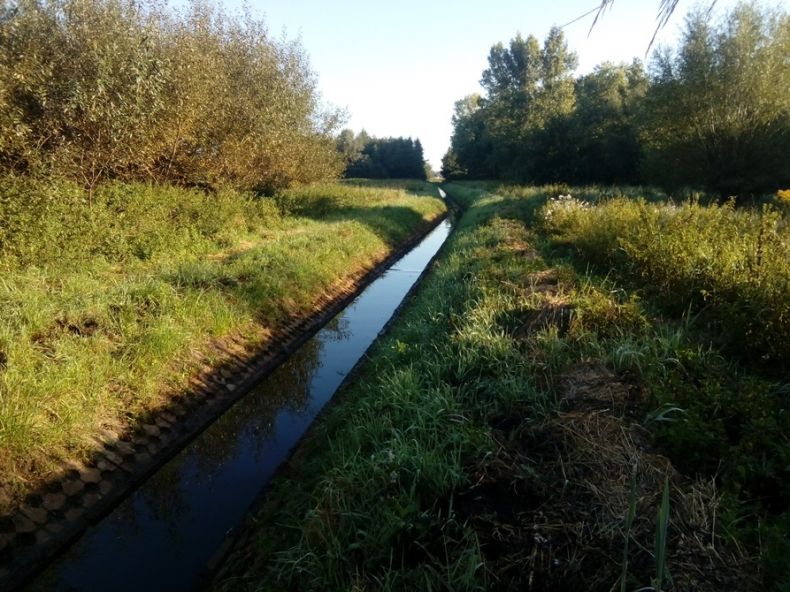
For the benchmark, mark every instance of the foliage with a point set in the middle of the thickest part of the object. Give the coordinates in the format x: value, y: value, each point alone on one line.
x: 603, y: 144
x: 393, y: 452
x: 470, y: 156
x: 381, y: 158
x: 719, y: 277
x: 727, y: 267
x: 528, y: 87
x: 438, y: 440
x: 712, y: 115
x: 715, y: 116
x: 115, y: 89
x: 109, y: 317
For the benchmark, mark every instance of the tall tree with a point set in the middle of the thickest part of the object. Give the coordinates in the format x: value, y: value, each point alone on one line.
x: 469, y: 156
x: 382, y: 158
x: 604, y: 136
x: 529, y: 88
x: 718, y: 111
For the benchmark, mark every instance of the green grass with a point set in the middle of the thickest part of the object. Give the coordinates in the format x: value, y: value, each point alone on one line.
x: 107, y: 309
x: 458, y: 460
x: 728, y: 267
x: 371, y: 505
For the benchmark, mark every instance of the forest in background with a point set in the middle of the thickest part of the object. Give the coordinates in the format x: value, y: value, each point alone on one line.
x: 712, y: 114
x: 381, y: 158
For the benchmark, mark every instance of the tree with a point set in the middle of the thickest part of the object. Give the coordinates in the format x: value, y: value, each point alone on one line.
x: 469, y: 155
x: 718, y: 112
x: 529, y: 90
x: 604, y: 135
x: 126, y: 89
x: 382, y: 158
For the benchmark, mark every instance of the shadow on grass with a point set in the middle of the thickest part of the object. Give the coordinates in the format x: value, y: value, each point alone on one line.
x: 391, y: 223
x: 412, y: 186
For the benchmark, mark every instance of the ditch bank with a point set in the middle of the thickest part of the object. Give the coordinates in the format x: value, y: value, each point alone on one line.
x: 488, y: 447
x: 61, y: 510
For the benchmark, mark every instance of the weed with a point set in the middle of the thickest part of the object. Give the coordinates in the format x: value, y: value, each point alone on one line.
x: 662, y: 535
x: 491, y: 443
x: 629, y: 521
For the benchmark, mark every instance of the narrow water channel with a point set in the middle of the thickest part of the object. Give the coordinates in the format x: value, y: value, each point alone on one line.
x: 162, y: 535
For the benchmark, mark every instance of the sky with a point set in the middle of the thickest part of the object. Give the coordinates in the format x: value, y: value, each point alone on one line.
x: 398, y: 67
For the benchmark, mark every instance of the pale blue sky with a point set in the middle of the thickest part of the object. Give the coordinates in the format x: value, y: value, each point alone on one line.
x: 398, y: 67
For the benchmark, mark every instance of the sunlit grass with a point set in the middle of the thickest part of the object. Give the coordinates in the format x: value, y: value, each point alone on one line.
x: 106, y: 309
x: 371, y: 501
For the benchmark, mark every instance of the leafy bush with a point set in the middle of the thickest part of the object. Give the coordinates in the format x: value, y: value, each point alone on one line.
x: 117, y: 89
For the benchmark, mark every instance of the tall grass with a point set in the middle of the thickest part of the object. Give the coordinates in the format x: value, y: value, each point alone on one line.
x: 727, y: 266
x: 434, y: 444
x: 371, y: 501
x: 106, y: 307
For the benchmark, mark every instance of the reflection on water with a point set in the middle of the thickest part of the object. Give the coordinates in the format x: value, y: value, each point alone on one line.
x: 161, y: 536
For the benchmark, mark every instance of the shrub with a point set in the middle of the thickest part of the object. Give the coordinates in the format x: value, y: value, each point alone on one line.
x: 117, y: 89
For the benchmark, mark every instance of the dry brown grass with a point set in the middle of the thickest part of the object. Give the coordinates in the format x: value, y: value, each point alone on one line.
x: 550, y: 509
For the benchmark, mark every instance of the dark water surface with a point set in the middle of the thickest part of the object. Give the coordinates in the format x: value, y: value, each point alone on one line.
x: 163, y: 534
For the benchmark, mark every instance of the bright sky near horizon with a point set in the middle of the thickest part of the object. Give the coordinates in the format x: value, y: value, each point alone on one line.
x: 398, y: 67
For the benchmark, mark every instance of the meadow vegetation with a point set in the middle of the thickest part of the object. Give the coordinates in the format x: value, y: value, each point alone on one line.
x: 588, y: 392
x: 542, y: 403
x: 109, y: 303
x: 137, y: 143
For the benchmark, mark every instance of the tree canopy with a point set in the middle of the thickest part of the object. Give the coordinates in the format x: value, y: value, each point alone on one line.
x: 713, y: 114
x: 121, y: 89
x: 381, y: 158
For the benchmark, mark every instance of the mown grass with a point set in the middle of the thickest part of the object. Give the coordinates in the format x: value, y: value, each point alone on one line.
x: 449, y: 464
x: 107, y: 308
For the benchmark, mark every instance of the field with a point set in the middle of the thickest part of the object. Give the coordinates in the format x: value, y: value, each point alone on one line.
x: 586, y: 393
x: 110, y: 302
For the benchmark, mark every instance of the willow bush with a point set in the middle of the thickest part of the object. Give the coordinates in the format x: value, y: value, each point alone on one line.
x: 117, y: 89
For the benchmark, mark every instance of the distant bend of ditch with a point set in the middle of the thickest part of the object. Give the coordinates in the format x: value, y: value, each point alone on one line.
x: 162, y: 536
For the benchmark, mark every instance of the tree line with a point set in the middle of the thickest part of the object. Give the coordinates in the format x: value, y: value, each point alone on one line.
x: 381, y: 158
x: 121, y: 89
x: 713, y: 113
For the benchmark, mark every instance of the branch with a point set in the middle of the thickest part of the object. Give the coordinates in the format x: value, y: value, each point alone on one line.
x: 665, y: 11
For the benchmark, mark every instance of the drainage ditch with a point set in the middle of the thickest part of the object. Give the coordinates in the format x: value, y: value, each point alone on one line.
x: 162, y: 536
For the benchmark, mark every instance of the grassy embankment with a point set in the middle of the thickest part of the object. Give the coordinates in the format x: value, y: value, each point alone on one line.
x: 562, y: 360
x: 106, y: 309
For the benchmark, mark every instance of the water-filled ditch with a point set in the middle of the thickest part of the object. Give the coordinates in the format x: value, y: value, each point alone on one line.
x: 162, y: 536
